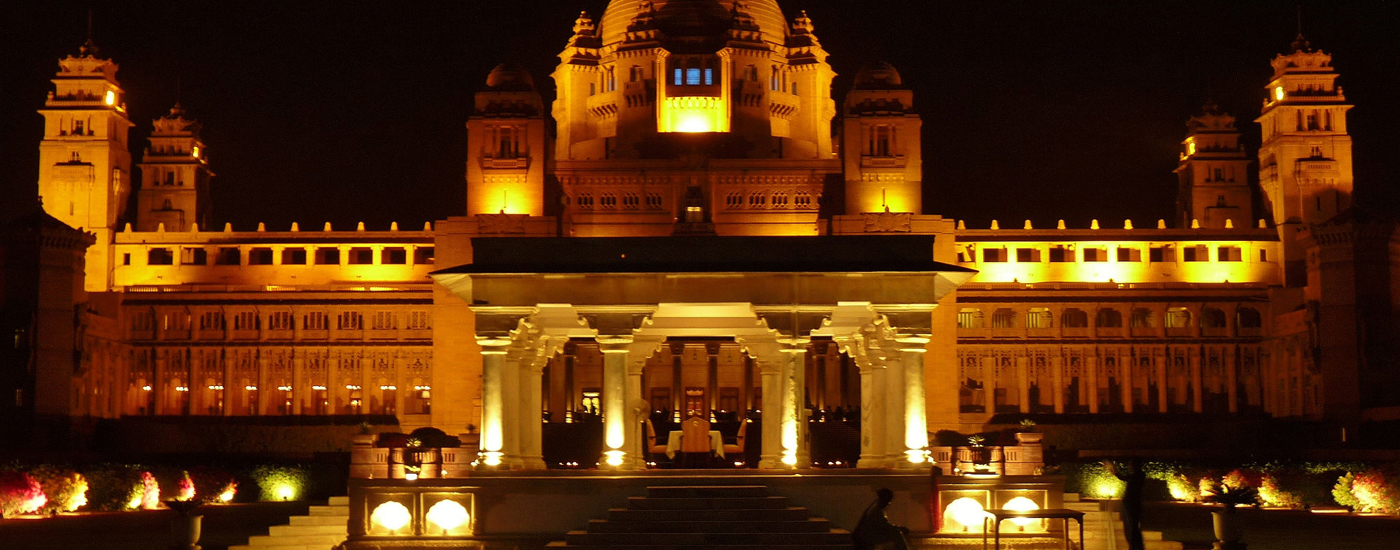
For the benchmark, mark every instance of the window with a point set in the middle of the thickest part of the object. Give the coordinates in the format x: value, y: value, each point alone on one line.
x: 1219, y: 175
x: 757, y: 200
x: 423, y: 255
x: 294, y: 256
x: 327, y: 256
x: 1143, y: 318
x: 1178, y: 317
x: 280, y: 320
x: 245, y: 320
x: 260, y: 256
x: 1198, y: 253
x: 1109, y: 318
x: 228, y: 256
x: 630, y: 201
x: 607, y: 200
x: 1039, y: 317
x: 1027, y: 255
x: 1248, y: 317
x: 970, y: 318
x: 780, y: 200
x: 1074, y: 318
x: 802, y: 200
x: 384, y: 320
x: 1060, y: 254
x: 394, y: 256
x: 126, y: 259
x: 211, y: 320
x: 993, y: 254
x: 1263, y: 255
x: 1228, y: 254
x: 144, y: 320
x: 361, y: 256
x: 160, y: 256
x: 418, y: 320
x: 636, y: 74
x: 653, y: 201
x: 1212, y: 318
x: 194, y: 256
x: 350, y: 320
x: 584, y: 200
x: 1004, y: 318
x: 314, y: 320
x: 1129, y: 254
x: 1095, y: 255
x: 1161, y: 254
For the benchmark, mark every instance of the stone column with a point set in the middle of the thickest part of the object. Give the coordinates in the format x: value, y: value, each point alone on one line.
x: 493, y: 359
x: 1057, y: 374
x: 299, y: 385
x: 1162, y: 366
x: 614, y: 409
x: 872, y: 415
x: 894, y: 419
x: 637, y: 410
x: 512, y: 407
x: 1232, y: 379
x: 1091, y: 365
x: 1023, y: 383
x: 1125, y: 382
x: 263, y: 381
x: 1193, y: 359
x: 795, y: 453
x: 158, y: 382
x: 531, y: 403
x: 912, y: 353
x: 771, y: 370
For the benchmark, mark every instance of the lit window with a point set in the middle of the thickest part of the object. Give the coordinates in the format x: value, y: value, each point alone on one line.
x: 1278, y: 93
x: 692, y: 77
x: 110, y: 98
x: 679, y: 77
x: 709, y: 77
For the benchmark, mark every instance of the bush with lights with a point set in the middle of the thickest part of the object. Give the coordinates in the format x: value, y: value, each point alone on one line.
x: 114, y: 487
x: 20, y: 493
x: 213, y: 485
x: 1378, y: 490
x: 65, y: 488
x: 281, y: 482
x: 1092, y: 480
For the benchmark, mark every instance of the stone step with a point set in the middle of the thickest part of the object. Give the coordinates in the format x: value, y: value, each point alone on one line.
x: 585, y: 538
x: 300, y: 530
x: 280, y: 547
x: 321, y: 520
x: 809, y: 525
x: 343, y: 511
x: 707, y: 491
x: 774, y: 514
x: 323, y: 541
x: 741, y: 503
x: 844, y: 546
x: 339, y: 501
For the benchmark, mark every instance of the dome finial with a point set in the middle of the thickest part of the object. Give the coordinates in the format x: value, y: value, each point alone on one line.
x: 1301, y: 44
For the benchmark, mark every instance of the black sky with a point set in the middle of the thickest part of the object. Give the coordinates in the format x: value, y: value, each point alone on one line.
x: 354, y: 110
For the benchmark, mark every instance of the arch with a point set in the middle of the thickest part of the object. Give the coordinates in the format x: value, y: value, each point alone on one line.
x: 1212, y: 318
x: 1178, y: 317
x: 1040, y: 317
x: 1109, y: 318
x: 1144, y: 318
x: 1248, y: 317
x: 1074, y: 318
x: 1004, y: 318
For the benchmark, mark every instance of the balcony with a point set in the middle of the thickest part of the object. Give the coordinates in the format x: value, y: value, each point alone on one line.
x: 1109, y: 332
x: 1040, y: 333
x: 974, y: 332
x: 1181, y: 332
x: 1144, y: 332
x: 418, y: 334
x: 382, y: 334
x: 245, y: 334
x: 1215, y: 332
x: 209, y: 334
x: 1076, y: 332
x: 284, y: 334
x: 1250, y: 332
x: 1010, y: 332
x: 314, y: 334
x: 348, y: 334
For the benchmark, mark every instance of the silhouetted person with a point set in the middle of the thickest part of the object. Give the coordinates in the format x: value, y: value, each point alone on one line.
x: 875, y: 530
x: 1135, y: 478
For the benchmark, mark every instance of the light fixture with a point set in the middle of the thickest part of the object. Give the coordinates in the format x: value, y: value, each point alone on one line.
x: 614, y: 457
x: 492, y: 458
x: 1278, y: 93
x: 182, y: 388
x: 318, y: 388
x: 145, y: 388
x: 110, y: 99
x: 1022, y: 504
x: 226, y: 496
x: 286, y: 492
x: 250, y: 388
x: 966, y: 511
x: 390, y: 516
x: 284, y: 388
x: 448, y: 515
x: 219, y: 387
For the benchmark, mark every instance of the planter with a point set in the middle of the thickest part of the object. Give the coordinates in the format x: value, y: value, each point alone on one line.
x: 185, y: 530
x: 1028, y: 438
x: 1226, y: 530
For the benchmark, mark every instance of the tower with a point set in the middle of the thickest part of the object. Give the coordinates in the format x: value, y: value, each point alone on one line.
x: 1213, y: 173
x: 84, y: 159
x: 1305, y: 158
x: 881, y: 144
x: 174, y: 176
x: 506, y: 144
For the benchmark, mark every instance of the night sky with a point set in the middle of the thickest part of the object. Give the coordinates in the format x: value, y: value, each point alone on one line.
x: 355, y: 111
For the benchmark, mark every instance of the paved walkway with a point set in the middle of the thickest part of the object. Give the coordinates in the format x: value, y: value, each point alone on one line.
x: 224, y: 526
x: 1277, y: 529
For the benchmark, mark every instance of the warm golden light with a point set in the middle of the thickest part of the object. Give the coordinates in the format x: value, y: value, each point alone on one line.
x: 693, y: 115
x: 391, y: 516
x: 614, y: 458
x: 1022, y: 504
x: 1190, y: 147
x: 111, y: 98
x: 286, y: 492
x: 965, y: 512
x: 448, y: 515
x: 194, y: 151
x: 1278, y: 93
x: 226, y: 496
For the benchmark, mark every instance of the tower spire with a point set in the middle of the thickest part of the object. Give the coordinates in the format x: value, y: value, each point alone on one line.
x: 1301, y: 44
x: 90, y: 46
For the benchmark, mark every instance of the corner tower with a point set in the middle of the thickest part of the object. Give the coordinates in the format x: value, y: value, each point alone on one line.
x: 1213, y: 173
x: 174, y: 176
x: 881, y: 144
x: 84, y: 159
x: 1305, y: 158
x: 506, y: 145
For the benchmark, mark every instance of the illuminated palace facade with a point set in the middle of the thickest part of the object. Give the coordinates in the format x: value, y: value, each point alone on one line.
x: 679, y: 125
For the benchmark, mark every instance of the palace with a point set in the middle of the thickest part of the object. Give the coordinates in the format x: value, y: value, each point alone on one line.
x: 702, y: 230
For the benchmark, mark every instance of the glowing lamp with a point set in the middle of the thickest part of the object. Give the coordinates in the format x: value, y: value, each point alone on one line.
x: 916, y: 456
x: 411, y: 476
x: 194, y: 151
x: 693, y: 122
x: 448, y: 515
x: 966, y: 511
x: 613, y: 458
x: 492, y: 458
x: 1022, y: 504
x: 227, y: 495
x: 145, y: 388
x: 390, y: 516
x: 1278, y: 93
x: 286, y: 492
x: 135, y: 502
x: 110, y: 99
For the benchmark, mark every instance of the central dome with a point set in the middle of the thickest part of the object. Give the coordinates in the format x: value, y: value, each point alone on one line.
x: 698, y: 15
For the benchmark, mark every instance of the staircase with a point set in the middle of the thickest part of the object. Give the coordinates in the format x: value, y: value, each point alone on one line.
x: 693, y: 517
x: 322, y: 528
x: 1103, y: 528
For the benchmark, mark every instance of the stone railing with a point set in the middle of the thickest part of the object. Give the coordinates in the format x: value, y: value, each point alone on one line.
x: 368, y: 461
x: 1025, y: 458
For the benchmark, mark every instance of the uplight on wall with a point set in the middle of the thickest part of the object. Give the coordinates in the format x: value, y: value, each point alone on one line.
x: 693, y: 115
x: 449, y: 516
x: 390, y: 516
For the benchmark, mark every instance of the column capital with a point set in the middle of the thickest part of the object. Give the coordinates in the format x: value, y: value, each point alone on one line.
x: 912, y: 343
x: 614, y: 344
x: 492, y: 345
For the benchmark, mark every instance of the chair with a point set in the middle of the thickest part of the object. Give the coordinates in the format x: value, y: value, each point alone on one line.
x: 737, y: 449
x: 695, y: 438
x: 652, y: 448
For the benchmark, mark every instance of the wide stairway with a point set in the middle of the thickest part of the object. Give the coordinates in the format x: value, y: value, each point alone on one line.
x: 721, y: 517
x: 1103, y: 528
x: 322, y: 528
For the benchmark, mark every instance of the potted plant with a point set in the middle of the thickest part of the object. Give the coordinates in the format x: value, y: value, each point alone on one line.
x: 981, y: 456
x: 1027, y: 434
x: 365, y: 437
x: 1227, y: 533
x: 471, y: 441
x: 185, y: 526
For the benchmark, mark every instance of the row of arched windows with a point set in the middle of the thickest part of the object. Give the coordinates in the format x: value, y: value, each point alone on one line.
x: 1041, y: 317
x: 759, y: 199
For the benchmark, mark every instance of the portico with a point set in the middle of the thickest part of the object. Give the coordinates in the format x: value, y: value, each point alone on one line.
x: 773, y: 300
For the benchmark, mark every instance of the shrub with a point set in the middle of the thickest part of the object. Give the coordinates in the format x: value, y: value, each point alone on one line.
x: 281, y: 482
x: 1091, y: 480
x: 1184, y: 488
x: 213, y: 484
x: 66, y: 489
x: 1242, y: 478
x: 1342, y: 492
x: 150, y: 492
x: 20, y: 493
x: 115, y: 487
x: 1378, y: 490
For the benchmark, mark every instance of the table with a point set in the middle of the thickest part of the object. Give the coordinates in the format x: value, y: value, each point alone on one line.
x: 997, y: 516
x: 673, y: 443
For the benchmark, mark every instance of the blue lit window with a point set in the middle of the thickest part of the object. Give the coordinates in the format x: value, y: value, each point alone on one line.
x: 692, y: 77
x: 679, y: 81
x: 709, y: 77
